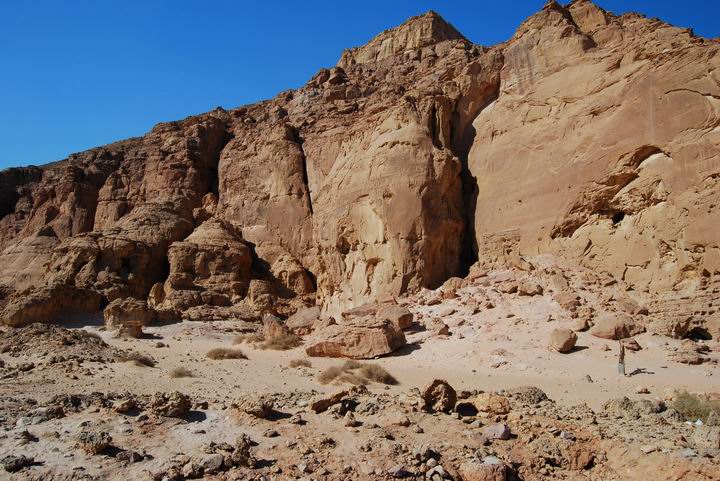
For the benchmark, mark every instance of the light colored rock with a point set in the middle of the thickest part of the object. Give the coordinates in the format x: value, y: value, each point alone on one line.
x: 493, y: 404
x: 398, y: 315
x: 303, y: 321
x: 273, y: 327
x: 128, y: 311
x: 475, y: 471
x: 357, y: 338
x: 562, y: 340
x: 614, y: 328
x: 174, y: 404
x: 497, y: 431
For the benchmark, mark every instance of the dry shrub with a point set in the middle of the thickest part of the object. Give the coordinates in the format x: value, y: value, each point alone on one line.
x: 137, y: 358
x: 694, y: 407
x: 284, y: 342
x: 357, y: 373
x: 249, y: 338
x: 300, y: 363
x: 329, y: 374
x: 375, y: 373
x: 181, y: 372
x: 220, y: 353
x: 91, y: 335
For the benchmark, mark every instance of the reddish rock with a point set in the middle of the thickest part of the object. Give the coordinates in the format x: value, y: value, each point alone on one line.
x: 398, y: 315
x: 357, y: 338
x: 493, y: 404
x: 439, y: 396
x: 475, y: 471
x: 303, y: 321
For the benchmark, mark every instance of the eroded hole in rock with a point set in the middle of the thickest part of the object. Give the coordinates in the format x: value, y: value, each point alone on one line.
x: 617, y: 217
x: 699, y: 334
x: 164, y: 269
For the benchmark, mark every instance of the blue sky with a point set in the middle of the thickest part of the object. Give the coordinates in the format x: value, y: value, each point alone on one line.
x: 80, y: 73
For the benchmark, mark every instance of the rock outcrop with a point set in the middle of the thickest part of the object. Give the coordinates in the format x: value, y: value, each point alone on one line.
x: 586, y: 135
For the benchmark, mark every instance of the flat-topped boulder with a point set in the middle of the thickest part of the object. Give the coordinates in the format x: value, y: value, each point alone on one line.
x: 357, y: 338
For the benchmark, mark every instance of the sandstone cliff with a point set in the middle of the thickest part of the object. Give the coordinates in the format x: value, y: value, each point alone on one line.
x: 588, y: 135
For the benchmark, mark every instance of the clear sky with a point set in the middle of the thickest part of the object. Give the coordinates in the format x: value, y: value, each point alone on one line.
x: 75, y: 74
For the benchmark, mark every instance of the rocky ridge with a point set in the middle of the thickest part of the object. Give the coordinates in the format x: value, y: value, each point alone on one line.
x: 416, y: 156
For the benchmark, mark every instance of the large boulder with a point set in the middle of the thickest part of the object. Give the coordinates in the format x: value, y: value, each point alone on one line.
x: 615, y: 327
x: 273, y: 327
x: 128, y: 311
x: 129, y: 316
x: 562, y: 340
x: 439, y: 396
x: 398, y: 315
x: 357, y: 338
x: 48, y: 304
x: 303, y: 321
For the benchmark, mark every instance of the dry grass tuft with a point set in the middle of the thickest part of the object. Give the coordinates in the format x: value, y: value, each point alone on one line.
x: 282, y: 343
x: 329, y: 375
x: 375, y: 373
x: 300, y: 363
x: 137, y: 358
x: 357, y: 373
x: 221, y: 353
x: 181, y: 372
x: 694, y: 407
x: 249, y: 338
x: 91, y: 335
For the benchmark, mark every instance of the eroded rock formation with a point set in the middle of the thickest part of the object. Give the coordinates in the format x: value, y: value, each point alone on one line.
x: 588, y: 135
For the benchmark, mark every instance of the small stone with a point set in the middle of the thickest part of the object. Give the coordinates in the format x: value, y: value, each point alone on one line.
x: 94, y: 442
x: 497, y: 431
x: 128, y: 457
x: 13, y: 464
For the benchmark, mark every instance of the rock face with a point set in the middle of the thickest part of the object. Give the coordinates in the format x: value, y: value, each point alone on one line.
x: 628, y: 191
x: 389, y: 173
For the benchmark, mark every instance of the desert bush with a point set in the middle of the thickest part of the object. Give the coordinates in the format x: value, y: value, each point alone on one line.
x: 350, y: 365
x: 249, y: 338
x: 220, y: 353
x: 181, y: 372
x: 282, y: 343
x: 300, y: 363
x: 90, y: 335
x: 137, y: 358
x: 357, y: 373
x: 329, y: 374
x: 694, y: 407
x: 375, y: 373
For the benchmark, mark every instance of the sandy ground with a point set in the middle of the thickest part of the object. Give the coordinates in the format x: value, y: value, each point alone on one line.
x: 487, y: 349
x: 521, y: 359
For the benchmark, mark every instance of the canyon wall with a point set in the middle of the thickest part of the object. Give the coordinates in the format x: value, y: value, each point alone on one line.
x: 586, y: 135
